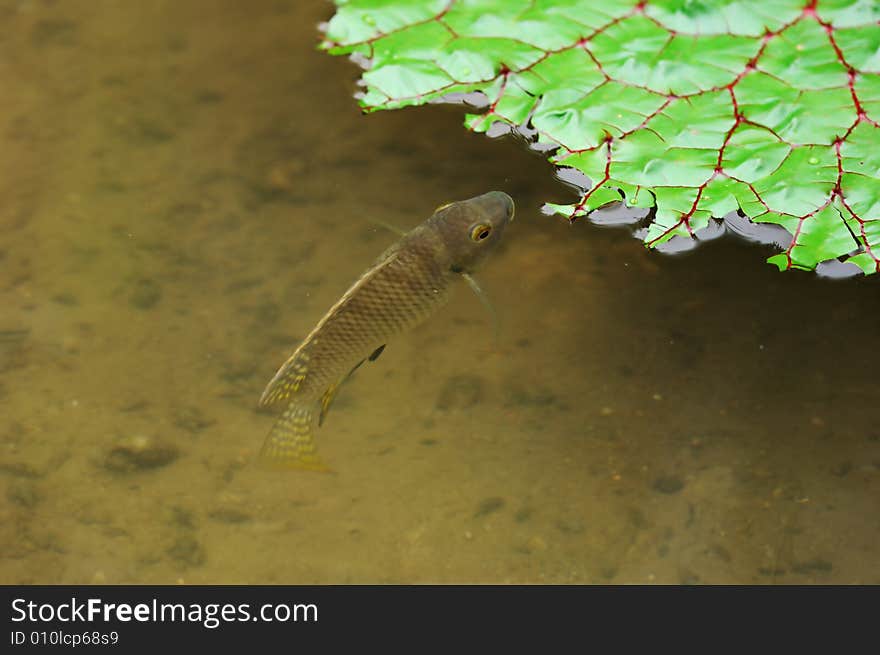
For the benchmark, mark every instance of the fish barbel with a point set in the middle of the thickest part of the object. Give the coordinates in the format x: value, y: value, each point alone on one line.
x: 405, y: 285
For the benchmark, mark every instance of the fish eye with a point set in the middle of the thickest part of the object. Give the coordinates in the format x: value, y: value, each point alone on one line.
x: 480, y: 231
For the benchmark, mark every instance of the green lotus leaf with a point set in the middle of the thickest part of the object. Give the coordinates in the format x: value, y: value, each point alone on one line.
x: 797, y: 117
x: 849, y: 13
x: 859, y: 47
x: 753, y: 153
x: 637, y: 51
x: 365, y: 20
x: 803, y: 57
x: 610, y: 110
x: 739, y: 18
x: 698, y: 108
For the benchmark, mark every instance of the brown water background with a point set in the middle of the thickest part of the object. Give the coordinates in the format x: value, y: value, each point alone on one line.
x: 186, y: 187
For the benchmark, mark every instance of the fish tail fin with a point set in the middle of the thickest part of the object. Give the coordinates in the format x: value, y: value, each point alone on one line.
x: 290, y: 444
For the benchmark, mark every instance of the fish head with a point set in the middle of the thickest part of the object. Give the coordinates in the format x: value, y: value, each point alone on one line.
x: 470, y: 229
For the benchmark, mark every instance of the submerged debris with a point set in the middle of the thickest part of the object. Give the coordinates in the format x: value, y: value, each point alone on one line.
x: 230, y: 508
x: 817, y: 565
x: 461, y: 392
x: 229, y: 515
x: 138, y: 453
x: 488, y: 506
x: 24, y: 493
x: 13, y: 347
x: 187, y: 550
x: 668, y: 484
x: 192, y: 419
x: 145, y: 293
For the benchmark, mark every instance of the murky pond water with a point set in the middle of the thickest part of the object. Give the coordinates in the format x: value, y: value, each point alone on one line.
x: 188, y: 186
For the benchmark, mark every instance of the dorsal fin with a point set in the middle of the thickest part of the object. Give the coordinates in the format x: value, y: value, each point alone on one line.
x: 293, y: 373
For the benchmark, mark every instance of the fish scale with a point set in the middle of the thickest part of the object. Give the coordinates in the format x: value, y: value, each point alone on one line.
x: 408, y: 282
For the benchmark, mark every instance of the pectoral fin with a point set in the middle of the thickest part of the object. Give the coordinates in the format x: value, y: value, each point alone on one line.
x: 484, y: 299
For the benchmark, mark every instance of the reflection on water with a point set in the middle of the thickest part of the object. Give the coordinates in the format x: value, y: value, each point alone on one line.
x: 187, y: 187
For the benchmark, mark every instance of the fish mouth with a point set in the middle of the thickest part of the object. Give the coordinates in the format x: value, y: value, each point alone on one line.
x: 511, y: 206
x: 497, y: 204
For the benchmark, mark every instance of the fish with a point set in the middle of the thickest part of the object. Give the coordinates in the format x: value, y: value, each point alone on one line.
x: 408, y: 282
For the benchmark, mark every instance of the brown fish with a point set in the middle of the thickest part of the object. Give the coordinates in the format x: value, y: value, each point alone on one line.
x: 408, y: 282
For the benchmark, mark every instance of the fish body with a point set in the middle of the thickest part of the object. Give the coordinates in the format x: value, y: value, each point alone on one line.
x: 405, y: 285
